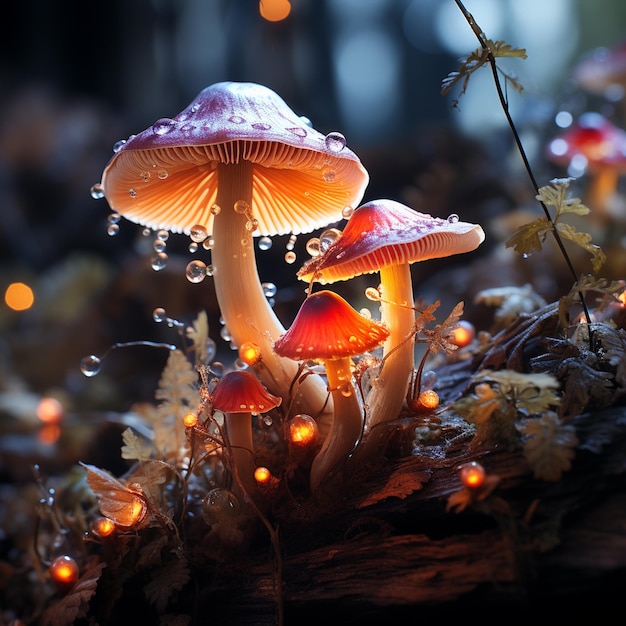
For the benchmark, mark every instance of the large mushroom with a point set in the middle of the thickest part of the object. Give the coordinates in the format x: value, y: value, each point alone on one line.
x: 238, y: 395
x: 240, y: 163
x: 329, y: 330
x: 386, y: 236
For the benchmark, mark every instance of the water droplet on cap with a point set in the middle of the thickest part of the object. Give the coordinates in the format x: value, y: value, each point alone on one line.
x: 162, y: 126
x: 335, y: 142
x: 97, y: 191
x: 118, y: 145
x: 453, y: 218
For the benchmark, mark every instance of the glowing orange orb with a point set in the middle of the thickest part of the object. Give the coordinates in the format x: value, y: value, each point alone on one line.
x: 49, y: 434
x: 428, y: 399
x: 49, y: 410
x: 64, y: 571
x: 463, y: 334
x: 102, y: 527
x: 303, y: 430
x: 274, y: 10
x: 190, y: 420
x: 19, y: 296
x: 472, y: 475
x: 250, y: 353
x: 262, y: 475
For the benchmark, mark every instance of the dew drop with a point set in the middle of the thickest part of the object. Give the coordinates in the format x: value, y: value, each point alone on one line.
x: 163, y: 174
x: 210, y: 270
x: 297, y: 131
x: 159, y: 261
x: 252, y: 224
x: 159, y: 245
x: 347, y: 212
x: 453, y: 218
x: 335, y: 142
x: 346, y: 390
x: 114, y: 218
x: 208, y: 243
x: 163, y: 235
x: 162, y: 126
x: 371, y: 293
x: 193, y: 247
x: 241, y: 207
x: 198, y: 233
x: 290, y: 257
x: 196, y: 271
x: 225, y: 334
x: 215, y: 209
x: 328, y: 237
x: 313, y: 247
x: 159, y: 315
x: 292, y: 242
x: 328, y: 175
x: 269, y: 289
x: 265, y: 243
x: 306, y: 121
x: 145, y: 176
x: 236, y: 119
x: 365, y: 312
x: 91, y: 365
x: 132, y: 193
x: 117, y: 146
x: 97, y: 191
x: 113, y: 229
x: 219, y: 506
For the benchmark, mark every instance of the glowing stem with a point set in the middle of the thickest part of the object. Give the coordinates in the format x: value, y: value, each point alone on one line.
x: 243, y: 305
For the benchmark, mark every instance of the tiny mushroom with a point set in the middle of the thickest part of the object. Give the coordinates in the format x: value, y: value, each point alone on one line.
x: 238, y: 163
x: 238, y: 395
x: 329, y: 330
x: 386, y: 236
x: 593, y: 145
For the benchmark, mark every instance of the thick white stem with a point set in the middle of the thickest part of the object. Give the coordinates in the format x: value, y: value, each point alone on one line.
x: 347, y: 425
x: 239, y: 433
x: 243, y: 305
x: 385, y: 400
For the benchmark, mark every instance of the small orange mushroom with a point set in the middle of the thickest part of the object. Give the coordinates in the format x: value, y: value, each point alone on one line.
x: 329, y: 330
x: 238, y: 395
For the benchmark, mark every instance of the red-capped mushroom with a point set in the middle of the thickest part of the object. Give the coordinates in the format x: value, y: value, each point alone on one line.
x: 238, y: 395
x: 593, y: 145
x: 239, y: 163
x: 327, y: 329
x: 386, y: 236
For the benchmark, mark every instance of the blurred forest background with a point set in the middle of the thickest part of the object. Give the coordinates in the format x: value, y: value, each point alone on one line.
x: 75, y: 77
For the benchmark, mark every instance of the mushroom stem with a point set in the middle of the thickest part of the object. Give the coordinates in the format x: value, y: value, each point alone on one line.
x: 239, y: 433
x: 243, y: 305
x: 386, y: 398
x: 347, y: 425
x: 602, y: 185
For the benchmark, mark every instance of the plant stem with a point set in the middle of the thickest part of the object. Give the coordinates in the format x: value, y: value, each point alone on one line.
x: 505, y: 107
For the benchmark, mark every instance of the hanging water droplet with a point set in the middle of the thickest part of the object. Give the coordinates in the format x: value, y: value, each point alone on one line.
x: 290, y: 257
x: 225, y: 334
x: 335, y: 142
x: 97, y: 191
x: 365, y: 312
x: 267, y: 420
x: 453, y: 218
x: 159, y: 315
x: 159, y: 245
x: 292, y: 242
x: 211, y: 349
x: 208, y: 243
x: 146, y: 232
x: 252, y: 224
x: 113, y: 229
x: 313, y: 247
x: 241, y: 207
x: 198, y: 233
x: 219, y: 506
x: 347, y: 212
x: 118, y: 145
x: 91, y: 365
x: 163, y: 235
x: 193, y: 247
x: 265, y: 243
x: 215, y: 209
x: 162, y: 126
x: 196, y: 271
x: 114, y: 218
x: 159, y: 261
x: 269, y: 289
x: 371, y: 293
x: 210, y: 270
x: 328, y: 237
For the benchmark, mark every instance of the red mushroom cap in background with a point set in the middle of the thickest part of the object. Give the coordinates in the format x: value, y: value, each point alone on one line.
x: 241, y: 391
x: 383, y: 233
x: 327, y: 327
x: 166, y: 176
